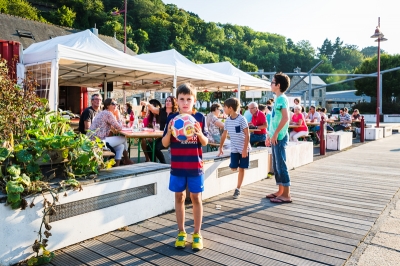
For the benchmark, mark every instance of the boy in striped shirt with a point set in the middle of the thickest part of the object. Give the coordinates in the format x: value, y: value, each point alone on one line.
x: 238, y: 129
x: 187, y: 167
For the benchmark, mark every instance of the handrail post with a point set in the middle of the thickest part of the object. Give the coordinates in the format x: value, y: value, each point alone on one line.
x: 322, y: 134
x: 362, y: 130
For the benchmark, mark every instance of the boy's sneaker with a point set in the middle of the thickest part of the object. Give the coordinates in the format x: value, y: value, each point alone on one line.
x: 236, y: 194
x: 197, y: 243
x: 180, y: 242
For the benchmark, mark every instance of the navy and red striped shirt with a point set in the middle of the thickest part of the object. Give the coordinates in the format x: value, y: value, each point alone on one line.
x: 187, y: 156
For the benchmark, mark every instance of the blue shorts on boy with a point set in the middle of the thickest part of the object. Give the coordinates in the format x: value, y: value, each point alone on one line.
x: 195, y: 184
x: 238, y: 161
x: 235, y: 128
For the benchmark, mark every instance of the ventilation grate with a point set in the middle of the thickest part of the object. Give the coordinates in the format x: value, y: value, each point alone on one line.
x: 223, y: 171
x: 67, y: 210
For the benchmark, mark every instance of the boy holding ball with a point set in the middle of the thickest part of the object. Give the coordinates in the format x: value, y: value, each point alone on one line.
x: 187, y: 167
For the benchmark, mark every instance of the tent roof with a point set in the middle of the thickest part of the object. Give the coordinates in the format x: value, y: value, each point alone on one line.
x: 187, y: 71
x: 247, y: 81
x: 85, y: 60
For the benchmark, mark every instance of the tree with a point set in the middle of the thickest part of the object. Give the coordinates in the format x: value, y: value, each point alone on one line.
x: 65, y: 16
x: 21, y: 8
x: 204, y: 97
x: 390, y: 80
x: 327, y: 49
x: 371, y: 51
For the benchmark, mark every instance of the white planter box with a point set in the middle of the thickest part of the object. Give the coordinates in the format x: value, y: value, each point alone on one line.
x: 339, y: 140
x: 219, y: 178
x: 373, y: 133
x: 387, y: 131
x: 19, y: 227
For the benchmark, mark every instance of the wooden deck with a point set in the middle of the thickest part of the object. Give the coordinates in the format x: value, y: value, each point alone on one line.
x: 336, y: 200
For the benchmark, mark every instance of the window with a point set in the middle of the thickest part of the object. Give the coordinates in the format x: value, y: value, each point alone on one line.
x: 25, y: 34
x: 320, y: 93
x: 41, y: 73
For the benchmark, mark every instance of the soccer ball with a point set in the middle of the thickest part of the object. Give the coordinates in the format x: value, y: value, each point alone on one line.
x: 183, y: 127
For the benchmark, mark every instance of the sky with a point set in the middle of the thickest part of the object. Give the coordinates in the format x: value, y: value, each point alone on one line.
x: 353, y: 21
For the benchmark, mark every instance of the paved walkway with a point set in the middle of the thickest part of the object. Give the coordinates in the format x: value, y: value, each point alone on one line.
x: 345, y: 212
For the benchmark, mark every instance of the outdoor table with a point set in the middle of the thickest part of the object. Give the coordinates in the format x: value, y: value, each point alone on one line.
x: 142, y: 135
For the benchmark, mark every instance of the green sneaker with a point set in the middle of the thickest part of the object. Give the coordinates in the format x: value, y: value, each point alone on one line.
x: 180, y: 242
x: 197, y: 243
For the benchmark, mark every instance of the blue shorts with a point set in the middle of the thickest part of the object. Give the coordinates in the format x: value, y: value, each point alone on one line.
x: 179, y: 183
x: 238, y: 161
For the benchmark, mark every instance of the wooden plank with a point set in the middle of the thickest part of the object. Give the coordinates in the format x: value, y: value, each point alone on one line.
x: 223, y: 245
x: 87, y: 256
x: 63, y: 259
x: 205, y: 257
x: 152, y: 241
x: 113, y: 253
x: 138, y: 251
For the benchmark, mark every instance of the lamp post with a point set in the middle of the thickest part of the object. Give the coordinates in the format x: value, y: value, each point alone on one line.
x: 379, y: 35
x: 118, y: 13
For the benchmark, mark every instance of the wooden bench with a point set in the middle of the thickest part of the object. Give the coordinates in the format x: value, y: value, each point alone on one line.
x: 107, y: 154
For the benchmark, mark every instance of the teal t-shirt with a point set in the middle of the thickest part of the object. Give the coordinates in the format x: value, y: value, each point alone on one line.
x: 281, y: 102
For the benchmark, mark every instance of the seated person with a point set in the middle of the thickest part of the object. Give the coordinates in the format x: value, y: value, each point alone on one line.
x: 101, y: 127
x: 258, y: 121
x: 323, y: 114
x: 314, y: 116
x: 170, y: 107
x: 149, y: 122
x: 345, y: 120
x: 214, y: 124
x: 356, y: 116
x: 298, y: 120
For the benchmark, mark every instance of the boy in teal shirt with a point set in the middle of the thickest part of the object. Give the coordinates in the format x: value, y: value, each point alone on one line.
x: 278, y: 138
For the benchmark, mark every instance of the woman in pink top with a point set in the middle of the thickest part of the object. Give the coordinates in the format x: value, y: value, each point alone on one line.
x: 298, y: 120
x: 101, y: 127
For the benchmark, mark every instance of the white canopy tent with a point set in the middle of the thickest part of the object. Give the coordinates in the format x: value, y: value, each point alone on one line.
x: 246, y: 81
x: 187, y: 71
x: 82, y: 59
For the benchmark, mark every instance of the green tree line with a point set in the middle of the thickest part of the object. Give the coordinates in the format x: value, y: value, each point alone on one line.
x: 153, y: 26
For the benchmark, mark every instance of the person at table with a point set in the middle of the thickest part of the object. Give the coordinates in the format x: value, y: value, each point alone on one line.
x: 357, y: 117
x: 296, y: 101
x: 214, y: 124
x: 258, y: 121
x: 128, y: 108
x: 150, y: 121
x: 247, y: 114
x: 314, y: 117
x: 345, y: 119
x: 101, y: 128
x: 89, y: 113
x: 170, y: 107
x: 303, y: 111
x: 325, y: 116
x: 299, y: 122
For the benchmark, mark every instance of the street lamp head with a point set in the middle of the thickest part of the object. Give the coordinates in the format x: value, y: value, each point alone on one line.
x: 378, y: 33
x: 381, y: 39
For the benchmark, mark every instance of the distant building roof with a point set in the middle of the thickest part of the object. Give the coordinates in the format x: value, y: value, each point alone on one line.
x: 345, y: 96
x: 315, y: 80
x: 27, y: 32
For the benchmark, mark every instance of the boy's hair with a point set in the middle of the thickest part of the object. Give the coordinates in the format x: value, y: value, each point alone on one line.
x: 283, y: 80
x: 232, y: 102
x: 185, y: 89
x: 215, y: 106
